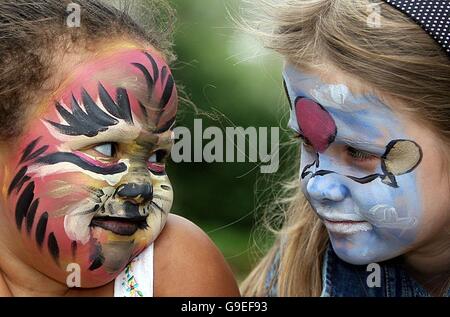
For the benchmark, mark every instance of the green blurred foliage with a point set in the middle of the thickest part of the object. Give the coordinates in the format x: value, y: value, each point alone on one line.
x: 224, y: 71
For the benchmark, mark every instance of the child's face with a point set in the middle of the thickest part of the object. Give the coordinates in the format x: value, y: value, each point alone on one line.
x: 87, y: 184
x: 366, y: 170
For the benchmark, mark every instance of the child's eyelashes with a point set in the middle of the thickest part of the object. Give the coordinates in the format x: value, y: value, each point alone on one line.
x: 359, y: 155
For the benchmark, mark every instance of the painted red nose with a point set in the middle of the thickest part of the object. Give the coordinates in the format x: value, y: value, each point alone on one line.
x: 315, y: 123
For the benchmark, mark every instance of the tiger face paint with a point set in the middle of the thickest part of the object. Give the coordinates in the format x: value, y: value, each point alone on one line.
x: 357, y: 169
x: 88, y: 183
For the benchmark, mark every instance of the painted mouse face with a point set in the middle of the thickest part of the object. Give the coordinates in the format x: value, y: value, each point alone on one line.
x: 88, y: 185
x: 358, y: 168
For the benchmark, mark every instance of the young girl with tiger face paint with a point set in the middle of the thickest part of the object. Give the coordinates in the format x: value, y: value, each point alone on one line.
x: 90, y: 185
x: 84, y: 183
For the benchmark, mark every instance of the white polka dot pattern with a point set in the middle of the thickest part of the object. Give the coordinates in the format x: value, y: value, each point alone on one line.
x: 432, y: 15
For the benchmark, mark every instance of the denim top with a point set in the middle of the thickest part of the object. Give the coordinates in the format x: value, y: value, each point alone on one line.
x: 341, y: 279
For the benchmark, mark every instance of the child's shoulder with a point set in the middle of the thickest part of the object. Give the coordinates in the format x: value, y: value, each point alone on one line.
x: 187, y: 263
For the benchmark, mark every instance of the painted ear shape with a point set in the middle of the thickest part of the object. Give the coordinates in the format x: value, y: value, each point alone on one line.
x: 401, y: 157
x: 316, y: 124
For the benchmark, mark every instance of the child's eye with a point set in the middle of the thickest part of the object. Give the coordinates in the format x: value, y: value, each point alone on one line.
x: 158, y: 157
x: 153, y: 158
x: 106, y: 149
x: 359, y: 155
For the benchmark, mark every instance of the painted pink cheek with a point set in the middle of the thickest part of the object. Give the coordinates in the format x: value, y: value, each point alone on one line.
x: 315, y: 123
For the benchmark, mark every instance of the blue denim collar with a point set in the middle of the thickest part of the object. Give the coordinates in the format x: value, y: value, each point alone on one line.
x: 341, y: 279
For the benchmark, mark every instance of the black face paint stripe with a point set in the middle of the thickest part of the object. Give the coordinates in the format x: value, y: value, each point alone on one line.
x: 74, y: 120
x: 98, y: 262
x: 390, y: 180
x: 38, y: 152
x: 60, y: 157
x: 23, y: 204
x: 120, y: 109
x: 30, y: 147
x: 165, y: 187
x: 166, y: 126
x: 108, y: 102
x: 322, y: 173
x: 143, y: 110
x: 148, y: 79
x: 305, y: 171
x: 79, y: 123
x: 123, y: 102
x: 164, y: 73
x: 64, y: 129
x: 95, y: 112
x: 131, y: 210
x: 366, y: 179
x: 80, y: 116
x: 41, y: 228
x: 287, y: 93
x: 167, y: 92
x: 157, y: 206
x: 53, y: 248
x: 17, y: 179
x: 31, y: 214
x: 154, y: 66
x: 96, y: 257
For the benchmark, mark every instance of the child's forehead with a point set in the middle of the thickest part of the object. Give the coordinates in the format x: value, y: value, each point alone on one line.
x: 327, y: 73
x: 114, y: 95
x: 336, y: 93
x: 116, y: 67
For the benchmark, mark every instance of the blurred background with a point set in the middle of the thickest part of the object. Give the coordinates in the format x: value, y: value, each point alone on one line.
x: 227, y: 73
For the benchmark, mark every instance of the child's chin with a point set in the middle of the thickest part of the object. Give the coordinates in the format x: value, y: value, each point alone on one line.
x: 362, y: 248
x: 93, y: 281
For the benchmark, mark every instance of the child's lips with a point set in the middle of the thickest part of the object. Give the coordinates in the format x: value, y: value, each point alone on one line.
x: 119, y: 225
x: 347, y: 226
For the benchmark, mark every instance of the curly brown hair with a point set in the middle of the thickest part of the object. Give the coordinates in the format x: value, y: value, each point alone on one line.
x: 33, y: 32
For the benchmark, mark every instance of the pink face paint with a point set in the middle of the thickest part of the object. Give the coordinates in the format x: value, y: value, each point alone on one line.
x: 310, y: 115
x: 69, y: 207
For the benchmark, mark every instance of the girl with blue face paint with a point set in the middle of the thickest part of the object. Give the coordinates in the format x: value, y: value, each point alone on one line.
x: 369, y: 213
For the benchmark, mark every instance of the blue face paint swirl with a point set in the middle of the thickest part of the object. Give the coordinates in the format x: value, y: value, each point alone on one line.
x: 357, y: 168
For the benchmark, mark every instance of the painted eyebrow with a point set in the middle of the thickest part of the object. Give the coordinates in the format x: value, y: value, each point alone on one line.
x: 65, y: 157
x: 94, y: 120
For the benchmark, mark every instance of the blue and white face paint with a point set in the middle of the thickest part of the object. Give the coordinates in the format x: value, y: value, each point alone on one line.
x: 357, y: 168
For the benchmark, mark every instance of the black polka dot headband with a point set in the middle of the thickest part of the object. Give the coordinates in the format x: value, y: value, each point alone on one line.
x: 432, y: 15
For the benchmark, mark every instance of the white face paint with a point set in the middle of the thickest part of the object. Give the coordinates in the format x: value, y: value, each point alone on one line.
x: 357, y: 168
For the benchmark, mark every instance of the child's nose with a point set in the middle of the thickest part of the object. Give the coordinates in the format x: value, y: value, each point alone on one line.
x: 327, y: 188
x: 137, y: 193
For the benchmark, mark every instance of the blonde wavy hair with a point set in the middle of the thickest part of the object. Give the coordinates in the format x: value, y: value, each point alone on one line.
x: 395, y: 57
